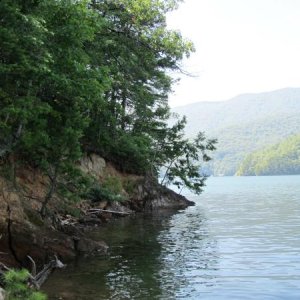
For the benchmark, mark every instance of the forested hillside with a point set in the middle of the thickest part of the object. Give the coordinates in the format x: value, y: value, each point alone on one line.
x: 92, y: 76
x: 244, y: 124
x: 280, y: 159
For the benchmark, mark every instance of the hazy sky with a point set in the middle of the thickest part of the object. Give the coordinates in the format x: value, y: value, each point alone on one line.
x: 241, y: 46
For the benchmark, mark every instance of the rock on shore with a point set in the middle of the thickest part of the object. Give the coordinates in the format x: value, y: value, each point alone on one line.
x: 23, y: 232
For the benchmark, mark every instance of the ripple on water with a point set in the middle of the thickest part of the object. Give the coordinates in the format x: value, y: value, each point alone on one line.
x: 241, y: 241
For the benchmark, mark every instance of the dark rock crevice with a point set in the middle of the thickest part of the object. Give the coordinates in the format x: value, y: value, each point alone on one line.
x: 10, y: 236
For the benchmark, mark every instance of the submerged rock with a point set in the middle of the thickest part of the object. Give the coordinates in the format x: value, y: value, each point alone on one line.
x: 86, y: 247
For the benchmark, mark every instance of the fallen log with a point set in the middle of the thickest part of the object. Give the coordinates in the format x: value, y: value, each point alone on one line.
x: 98, y: 210
x: 38, y: 279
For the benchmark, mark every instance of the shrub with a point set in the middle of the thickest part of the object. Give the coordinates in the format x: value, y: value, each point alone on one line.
x: 130, y: 186
x: 99, y: 193
x: 113, y: 184
x: 16, y: 286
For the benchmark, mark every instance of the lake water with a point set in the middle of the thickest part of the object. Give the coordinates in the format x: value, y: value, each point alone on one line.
x: 240, y: 241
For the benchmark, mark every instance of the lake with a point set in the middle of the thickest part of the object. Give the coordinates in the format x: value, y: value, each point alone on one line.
x: 240, y: 241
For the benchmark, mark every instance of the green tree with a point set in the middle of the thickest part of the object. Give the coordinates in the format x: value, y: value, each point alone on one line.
x: 138, y: 51
x: 24, y: 63
x: 93, y: 76
x: 279, y: 159
x: 70, y: 89
x: 16, y: 286
x: 47, y: 89
x: 181, y: 158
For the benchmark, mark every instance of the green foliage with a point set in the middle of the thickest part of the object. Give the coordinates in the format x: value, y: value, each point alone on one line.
x: 130, y: 186
x: 280, y: 159
x: 73, y: 183
x: 236, y: 142
x: 71, y: 210
x: 138, y: 50
x: 23, y: 65
x: 181, y: 158
x: 110, y: 190
x: 113, y: 184
x: 78, y: 75
x: 16, y: 286
x: 100, y: 193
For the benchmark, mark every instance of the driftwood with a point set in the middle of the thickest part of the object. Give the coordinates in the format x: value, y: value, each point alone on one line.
x: 37, y: 279
x: 3, y: 268
x: 98, y: 210
x: 69, y: 220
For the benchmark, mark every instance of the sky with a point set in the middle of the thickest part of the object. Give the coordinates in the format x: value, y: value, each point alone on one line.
x: 242, y: 46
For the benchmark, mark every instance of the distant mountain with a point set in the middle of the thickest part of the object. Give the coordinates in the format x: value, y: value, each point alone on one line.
x: 280, y: 159
x: 244, y: 124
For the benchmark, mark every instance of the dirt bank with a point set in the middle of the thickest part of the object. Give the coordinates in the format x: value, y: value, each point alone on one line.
x: 24, y: 232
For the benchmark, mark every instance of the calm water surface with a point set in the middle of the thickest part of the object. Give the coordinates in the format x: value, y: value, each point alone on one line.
x: 240, y: 241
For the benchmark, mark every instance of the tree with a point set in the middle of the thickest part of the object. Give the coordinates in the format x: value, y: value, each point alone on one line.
x: 17, y: 286
x: 47, y: 87
x: 70, y: 89
x: 137, y: 49
x: 93, y: 75
x: 180, y: 158
x: 24, y: 63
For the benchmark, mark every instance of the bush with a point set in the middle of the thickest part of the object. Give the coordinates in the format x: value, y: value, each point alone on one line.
x: 113, y: 184
x: 130, y: 186
x: 99, y: 193
x: 17, y: 288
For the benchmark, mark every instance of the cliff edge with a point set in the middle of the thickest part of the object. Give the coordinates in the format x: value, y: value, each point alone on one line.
x: 63, y: 232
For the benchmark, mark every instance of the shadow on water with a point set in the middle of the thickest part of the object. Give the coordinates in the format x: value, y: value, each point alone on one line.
x: 148, y: 258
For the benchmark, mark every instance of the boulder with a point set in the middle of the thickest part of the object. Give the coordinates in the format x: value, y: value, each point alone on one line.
x: 151, y: 196
x: 93, y: 165
x: 87, y: 246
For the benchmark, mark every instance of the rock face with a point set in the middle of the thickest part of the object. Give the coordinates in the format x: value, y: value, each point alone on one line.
x: 12, y: 220
x: 23, y: 232
x: 150, y: 196
x: 167, y: 199
x: 93, y: 165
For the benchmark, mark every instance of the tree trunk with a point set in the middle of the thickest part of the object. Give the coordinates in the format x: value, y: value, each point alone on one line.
x: 50, y: 193
x: 166, y: 173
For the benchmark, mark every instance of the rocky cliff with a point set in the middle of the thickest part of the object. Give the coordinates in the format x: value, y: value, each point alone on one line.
x: 24, y: 232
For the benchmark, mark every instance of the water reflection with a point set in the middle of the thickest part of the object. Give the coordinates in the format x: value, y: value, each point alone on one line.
x: 131, y: 270
x: 136, y: 274
x: 240, y: 242
x: 190, y: 257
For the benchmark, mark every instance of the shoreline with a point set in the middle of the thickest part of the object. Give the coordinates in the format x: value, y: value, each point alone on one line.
x: 24, y: 232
